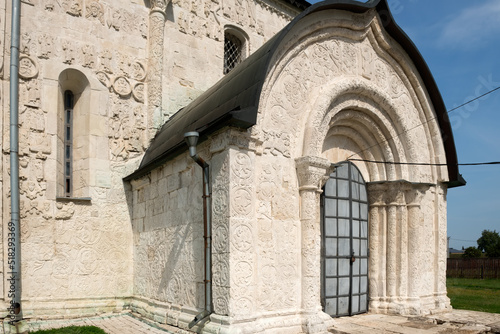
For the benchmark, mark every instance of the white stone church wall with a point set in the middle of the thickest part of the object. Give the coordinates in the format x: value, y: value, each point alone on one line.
x: 77, y: 251
x: 167, y: 223
x: 194, y: 41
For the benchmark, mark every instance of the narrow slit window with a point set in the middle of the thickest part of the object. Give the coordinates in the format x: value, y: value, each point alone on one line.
x: 68, y: 142
x: 233, y: 52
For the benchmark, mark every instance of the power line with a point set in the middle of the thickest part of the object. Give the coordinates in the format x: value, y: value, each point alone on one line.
x: 429, y: 120
x: 424, y: 163
x: 463, y: 240
x: 470, y: 101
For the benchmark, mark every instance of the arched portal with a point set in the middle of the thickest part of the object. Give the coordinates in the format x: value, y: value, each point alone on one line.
x: 344, y: 230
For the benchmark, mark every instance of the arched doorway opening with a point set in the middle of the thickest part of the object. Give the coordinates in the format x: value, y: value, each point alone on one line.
x: 344, y: 255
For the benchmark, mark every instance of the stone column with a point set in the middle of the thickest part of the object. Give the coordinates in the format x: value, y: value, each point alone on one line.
x: 157, y: 18
x: 413, y: 197
x: 312, y: 173
x: 396, y: 239
x: 376, y: 192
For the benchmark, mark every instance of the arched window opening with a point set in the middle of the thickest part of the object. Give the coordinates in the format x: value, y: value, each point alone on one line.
x: 233, y: 51
x: 69, y: 101
x: 74, y: 136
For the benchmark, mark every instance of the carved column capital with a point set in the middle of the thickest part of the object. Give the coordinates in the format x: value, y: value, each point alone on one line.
x: 159, y: 5
x: 313, y: 172
x: 376, y: 193
x: 415, y: 193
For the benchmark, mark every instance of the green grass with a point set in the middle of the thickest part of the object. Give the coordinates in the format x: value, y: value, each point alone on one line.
x: 474, y: 294
x: 72, y: 330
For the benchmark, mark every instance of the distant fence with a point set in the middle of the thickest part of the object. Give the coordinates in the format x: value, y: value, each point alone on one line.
x: 473, y: 268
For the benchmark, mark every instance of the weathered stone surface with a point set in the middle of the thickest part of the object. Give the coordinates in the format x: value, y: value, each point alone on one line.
x: 337, y: 88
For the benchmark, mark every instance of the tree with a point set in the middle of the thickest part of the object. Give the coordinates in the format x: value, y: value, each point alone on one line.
x: 471, y: 253
x: 489, y: 242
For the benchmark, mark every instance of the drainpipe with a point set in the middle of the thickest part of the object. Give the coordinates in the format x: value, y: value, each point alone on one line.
x: 191, y: 140
x: 14, y: 244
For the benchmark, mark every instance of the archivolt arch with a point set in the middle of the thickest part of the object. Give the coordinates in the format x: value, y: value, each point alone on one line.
x: 369, y: 118
x: 358, y: 63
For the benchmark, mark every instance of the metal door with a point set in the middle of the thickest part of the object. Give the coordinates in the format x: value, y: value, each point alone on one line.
x: 345, y: 243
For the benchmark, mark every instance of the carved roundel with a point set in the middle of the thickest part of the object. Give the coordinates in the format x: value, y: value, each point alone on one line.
x: 242, y: 168
x: 220, y: 201
x: 138, y: 71
x: 87, y: 261
x: 242, y: 201
x: 221, y: 305
x: 138, y: 92
x: 28, y: 68
x: 242, y: 238
x: 221, y: 236
x: 122, y: 86
x: 243, y: 274
x: 103, y: 78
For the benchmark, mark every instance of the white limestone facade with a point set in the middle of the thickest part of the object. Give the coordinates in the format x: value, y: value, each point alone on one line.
x: 338, y: 85
x: 129, y: 65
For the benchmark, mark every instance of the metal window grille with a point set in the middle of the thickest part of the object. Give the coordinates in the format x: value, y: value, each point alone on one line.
x: 345, y: 243
x: 68, y: 142
x: 232, y: 52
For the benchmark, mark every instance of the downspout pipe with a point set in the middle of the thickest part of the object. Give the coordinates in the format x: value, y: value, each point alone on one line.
x: 191, y: 139
x: 14, y: 244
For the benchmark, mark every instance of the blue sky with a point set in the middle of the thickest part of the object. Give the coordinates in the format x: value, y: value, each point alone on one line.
x: 460, y: 41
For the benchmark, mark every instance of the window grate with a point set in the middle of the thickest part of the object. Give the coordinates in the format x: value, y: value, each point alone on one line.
x: 232, y: 52
x: 68, y: 143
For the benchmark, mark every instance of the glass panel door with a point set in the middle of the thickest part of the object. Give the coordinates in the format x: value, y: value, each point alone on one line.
x: 345, y: 243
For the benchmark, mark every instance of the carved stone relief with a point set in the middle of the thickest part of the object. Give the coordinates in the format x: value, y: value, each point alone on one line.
x: 127, y: 127
x: 73, y: 7
x: 45, y: 46
x: 28, y: 67
x: 121, y: 86
x: 68, y: 52
x: 95, y: 11
x: 88, y: 56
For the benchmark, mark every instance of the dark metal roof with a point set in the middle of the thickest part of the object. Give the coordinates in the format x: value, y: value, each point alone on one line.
x: 301, y: 4
x: 233, y: 101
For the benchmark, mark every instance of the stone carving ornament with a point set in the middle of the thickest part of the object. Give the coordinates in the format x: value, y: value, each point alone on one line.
x: 138, y: 92
x: 95, y: 11
x: 28, y: 68
x: 122, y: 86
x: 73, y: 7
x: 103, y: 78
x: 159, y: 5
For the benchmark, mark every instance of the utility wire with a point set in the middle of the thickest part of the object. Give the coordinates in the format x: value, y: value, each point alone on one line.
x: 463, y: 240
x: 431, y: 119
x: 424, y: 163
x: 470, y: 101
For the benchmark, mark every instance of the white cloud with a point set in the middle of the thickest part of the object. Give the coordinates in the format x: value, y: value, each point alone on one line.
x: 475, y: 26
